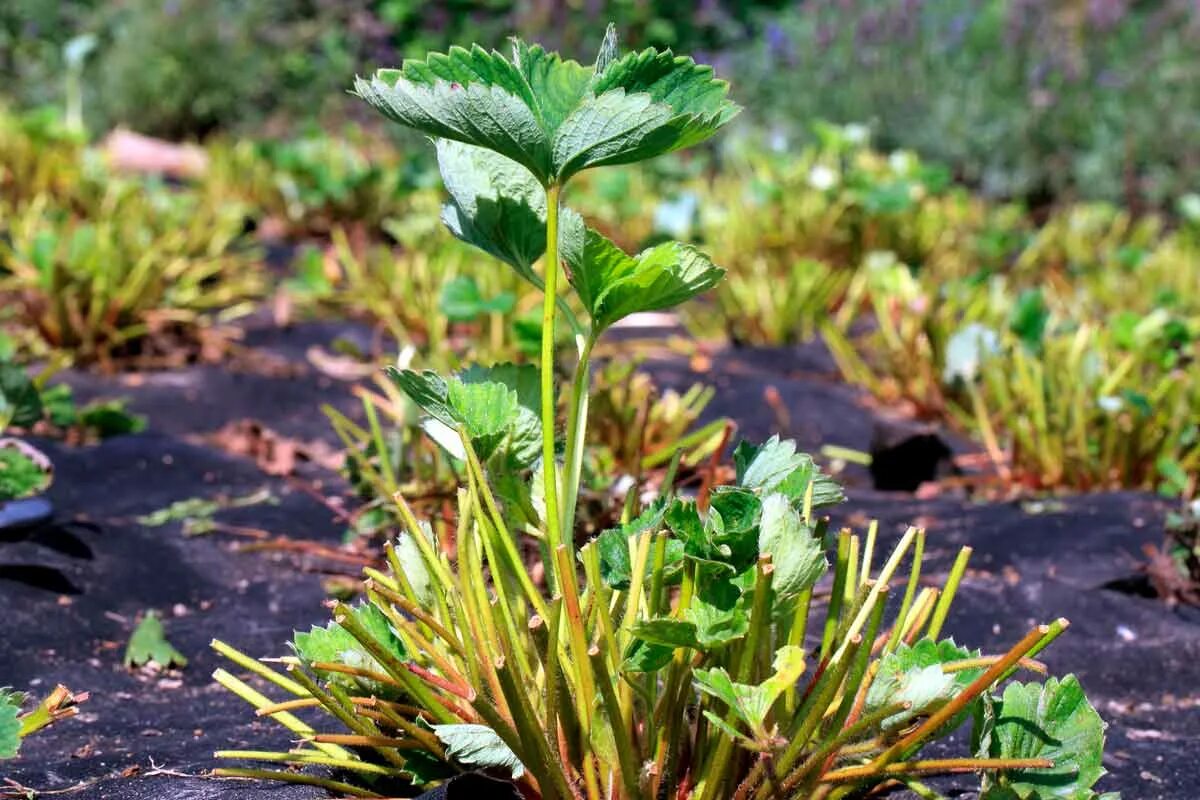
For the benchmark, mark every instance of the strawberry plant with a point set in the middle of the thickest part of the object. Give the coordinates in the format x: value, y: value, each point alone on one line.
x: 702, y: 648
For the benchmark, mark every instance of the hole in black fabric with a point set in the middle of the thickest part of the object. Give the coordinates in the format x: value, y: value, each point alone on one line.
x: 1135, y: 585
x: 902, y: 465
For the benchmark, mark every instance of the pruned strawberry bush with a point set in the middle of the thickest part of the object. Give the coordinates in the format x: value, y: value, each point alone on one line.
x: 704, y: 648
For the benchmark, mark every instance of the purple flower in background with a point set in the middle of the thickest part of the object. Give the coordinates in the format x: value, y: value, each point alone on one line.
x: 779, y: 45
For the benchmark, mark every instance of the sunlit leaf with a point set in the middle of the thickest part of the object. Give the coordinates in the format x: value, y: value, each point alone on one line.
x: 752, y: 703
x: 613, y: 285
x: 797, y: 555
x: 10, y: 727
x: 334, y: 644
x: 775, y: 465
x: 149, y: 644
x: 551, y: 115
x: 479, y: 746
x: 1053, y: 721
x: 914, y: 674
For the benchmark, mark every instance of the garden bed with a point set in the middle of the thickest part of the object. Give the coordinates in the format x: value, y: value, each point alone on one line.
x: 98, y: 568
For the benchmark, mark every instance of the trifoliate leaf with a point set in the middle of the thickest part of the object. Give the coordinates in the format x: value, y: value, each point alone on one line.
x: 797, y: 555
x: 10, y: 726
x: 461, y: 300
x: 24, y: 470
x: 479, y: 746
x: 752, y: 703
x: 725, y: 541
x: 1054, y: 721
x: 914, y: 674
x: 554, y: 116
x: 488, y: 402
x: 498, y: 206
x: 149, y: 644
x: 776, y: 466
x: 613, y: 285
x: 20, y: 403
x: 335, y: 645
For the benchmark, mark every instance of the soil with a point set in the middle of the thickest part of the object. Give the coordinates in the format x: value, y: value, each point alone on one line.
x: 72, y: 591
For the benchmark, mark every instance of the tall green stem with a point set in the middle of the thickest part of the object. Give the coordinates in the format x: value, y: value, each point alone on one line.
x: 549, y: 306
x: 577, y: 418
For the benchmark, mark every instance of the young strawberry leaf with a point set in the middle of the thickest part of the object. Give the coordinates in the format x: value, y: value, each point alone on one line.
x: 750, y: 703
x: 334, y: 644
x: 613, y: 285
x: 776, y: 466
x: 616, y: 568
x: 24, y: 470
x: 149, y: 644
x: 488, y: 402
x: 20, y: 403
x: 554, y: 116
x: 915, y: 674
x: 1054, y: 721
x: 479, y: 746
x: 797, y: 555
x: 498, y: 206
x: 10, y: 726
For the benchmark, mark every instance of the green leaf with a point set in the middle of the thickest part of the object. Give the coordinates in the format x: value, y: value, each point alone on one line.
x: 415, y: 570
x: 486, y: 410
x: 461, y: 300
x: 751, y: 703
x: 58, y: 404
x: 797, y: 555
x: 642, y: 105
x: 149, y: 644
x: 667, y: 632
x: 24, y: 470
x: 489, y: 402
x: 718, y: 621
x: 914, y: 674
x: 1029, y: 317
x: 20, y: 403
x: 427, y: 389
x: 334, y: 644
x: 1054, y: 721
x: 613, y: 285
x: 616, y: 567
x: 776, y: 466
x: 10, y: 726
x: 110, y: 418
x: 498, y: 206
x: 643, y: 656
x: 552, y: 115
x: 479, y: 746
x: 472, y: 96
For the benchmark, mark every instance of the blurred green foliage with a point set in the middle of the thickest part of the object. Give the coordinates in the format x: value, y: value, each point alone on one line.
x: 180, y: 68
x: 1036, y: 99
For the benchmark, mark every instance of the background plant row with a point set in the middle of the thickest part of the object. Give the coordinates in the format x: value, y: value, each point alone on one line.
x: 1037, y: 100
x: 1066, y: 343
